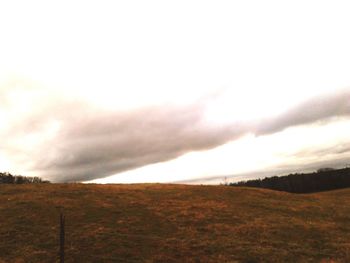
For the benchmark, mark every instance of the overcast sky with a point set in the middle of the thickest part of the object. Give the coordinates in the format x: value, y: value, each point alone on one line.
x: 173, y: 91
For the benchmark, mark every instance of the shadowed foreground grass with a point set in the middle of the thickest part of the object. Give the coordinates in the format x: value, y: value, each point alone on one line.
x: 173, y: 223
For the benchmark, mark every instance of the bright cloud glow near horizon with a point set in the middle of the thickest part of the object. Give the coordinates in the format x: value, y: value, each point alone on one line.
x: 185, y: 91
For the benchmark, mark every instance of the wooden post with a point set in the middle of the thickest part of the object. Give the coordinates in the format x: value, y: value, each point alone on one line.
x: 62, y: 221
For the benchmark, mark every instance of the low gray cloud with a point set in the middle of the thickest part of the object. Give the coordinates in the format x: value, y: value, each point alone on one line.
x: 315, y: 109
x: 93, y: 143
x: 97, y: 144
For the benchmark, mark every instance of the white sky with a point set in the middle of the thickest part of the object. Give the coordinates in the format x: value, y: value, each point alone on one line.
x: 254, y: 59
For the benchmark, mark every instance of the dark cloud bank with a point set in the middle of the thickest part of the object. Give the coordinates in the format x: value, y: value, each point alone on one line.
x: 93, y: 143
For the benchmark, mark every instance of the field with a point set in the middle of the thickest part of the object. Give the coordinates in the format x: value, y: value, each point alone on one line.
x: 172, y: 223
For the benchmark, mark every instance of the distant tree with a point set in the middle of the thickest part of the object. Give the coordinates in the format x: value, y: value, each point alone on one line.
x: 20, y: 180
x: 326, y: 169
x: 7, y: 178
x: 322, y: 180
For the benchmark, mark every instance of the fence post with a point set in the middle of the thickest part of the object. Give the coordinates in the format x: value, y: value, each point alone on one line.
x: 62, y: 221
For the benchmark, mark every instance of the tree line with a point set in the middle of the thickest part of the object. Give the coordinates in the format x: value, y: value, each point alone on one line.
x: 7, y: 178
x: 322, y: 180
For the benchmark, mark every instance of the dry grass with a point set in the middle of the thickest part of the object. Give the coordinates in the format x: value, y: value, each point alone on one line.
x: 173, y: 223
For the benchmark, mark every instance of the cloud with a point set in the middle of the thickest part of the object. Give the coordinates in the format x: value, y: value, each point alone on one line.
x: 90, y: 142
x: 96, y: 144
x: 64, y: 139
x: 316, y: 109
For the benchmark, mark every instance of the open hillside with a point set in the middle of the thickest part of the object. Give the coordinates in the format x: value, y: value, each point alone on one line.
x: 173, y: 223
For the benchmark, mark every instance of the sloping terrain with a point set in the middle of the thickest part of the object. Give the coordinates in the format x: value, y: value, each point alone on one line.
x: 172, y: 223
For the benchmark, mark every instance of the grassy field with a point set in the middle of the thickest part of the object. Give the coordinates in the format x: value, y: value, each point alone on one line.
x: 172, y: 223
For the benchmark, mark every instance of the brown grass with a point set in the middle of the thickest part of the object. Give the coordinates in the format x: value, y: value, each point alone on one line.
x: 173, y: 223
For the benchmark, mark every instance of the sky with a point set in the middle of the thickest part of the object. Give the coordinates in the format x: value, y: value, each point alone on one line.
x: 173, y: 91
